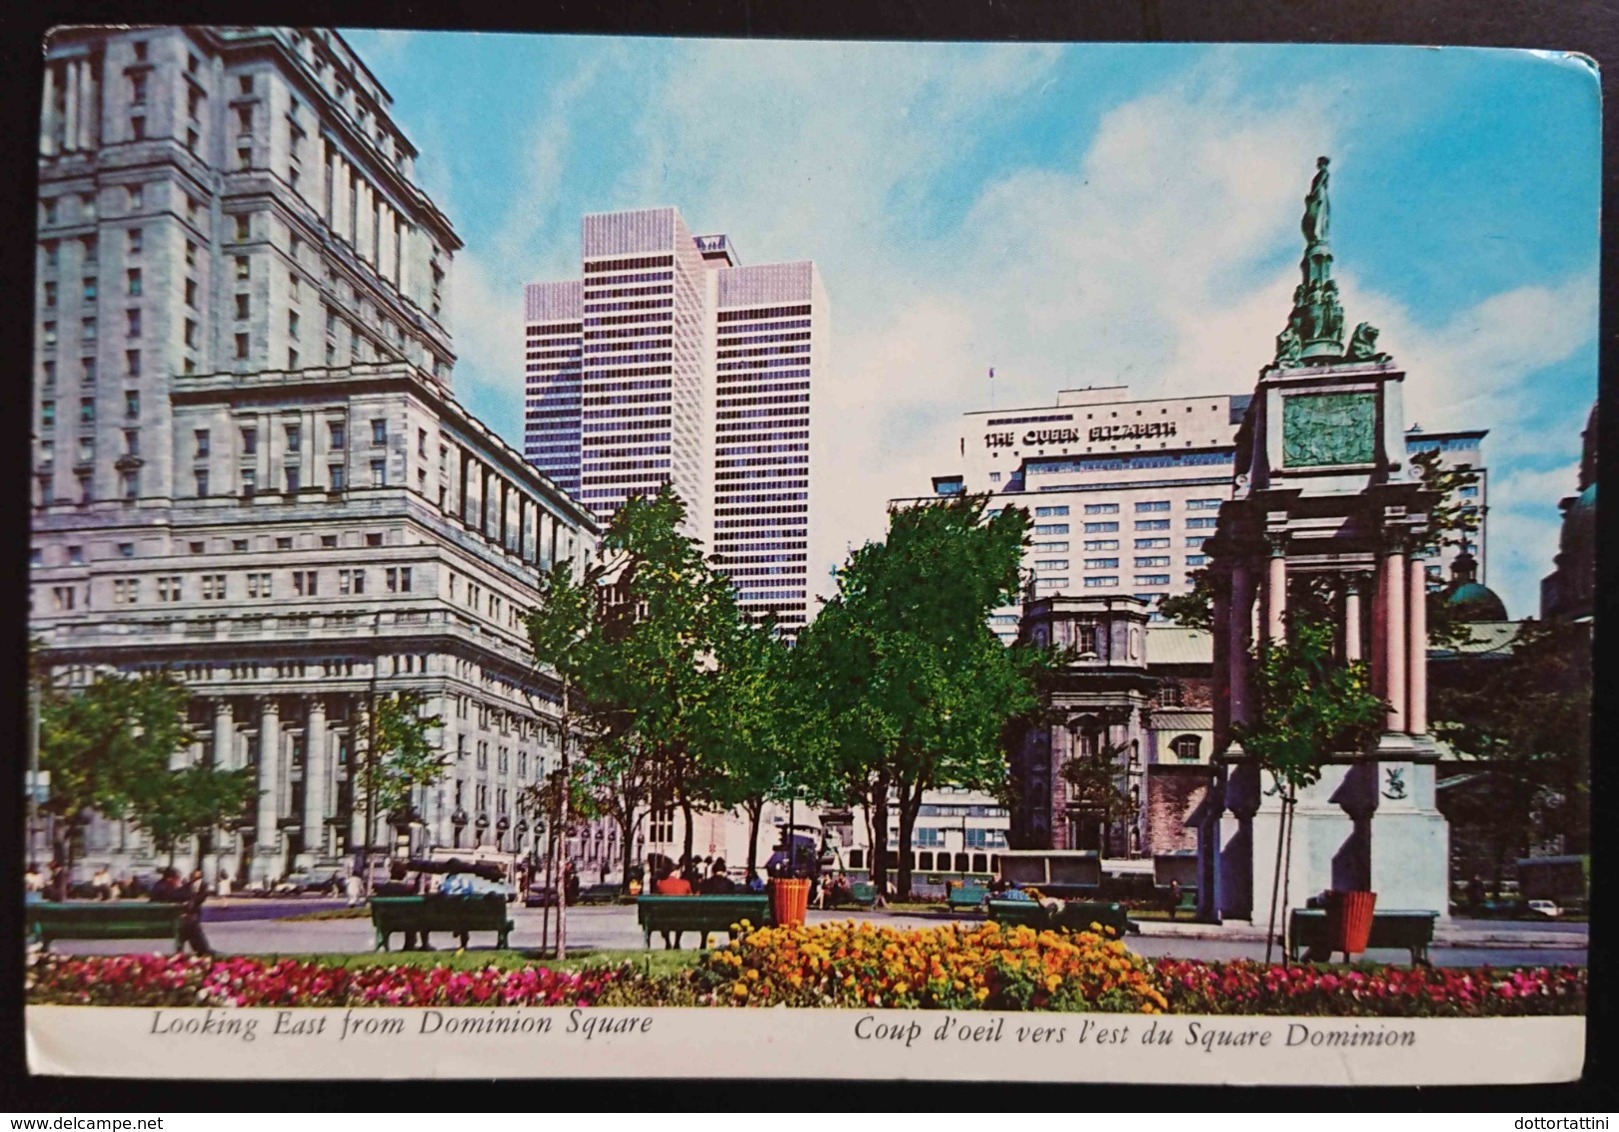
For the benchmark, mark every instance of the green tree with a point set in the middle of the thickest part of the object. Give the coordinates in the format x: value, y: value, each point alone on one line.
x: 107, y: 746
x: 399, y: 758
x: 634, y: 638
x: 1522, y: 722
x: 1193, y: 609
x: 1095, y: 784
x: 1451, y: 523
x: 919, y: 692
x: 754, y: 728
x: 1308, y: 707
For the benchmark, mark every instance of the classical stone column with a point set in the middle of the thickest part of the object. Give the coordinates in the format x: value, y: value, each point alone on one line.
x: 1394, y: 636
x: 1416, y: 690
x: 1276, y: 590
x: 70, y: 116
x: 89, y: 107
x: 1240, y: 622
x: 315, y: 778
x: 359, y: 738
x: 269, y: 776
x: 224, y: 735
x: 1352, y: 617
x: 47, y: 128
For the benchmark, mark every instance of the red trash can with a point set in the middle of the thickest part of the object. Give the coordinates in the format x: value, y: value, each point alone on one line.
x: 1349, y: 921
x: 789, y: 901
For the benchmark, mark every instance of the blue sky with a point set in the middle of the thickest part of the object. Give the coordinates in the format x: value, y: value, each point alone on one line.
x: 1082, y: 214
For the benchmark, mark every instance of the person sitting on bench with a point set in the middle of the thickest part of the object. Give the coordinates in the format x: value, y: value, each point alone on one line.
x: 717, y: 883
x: 668, y: 884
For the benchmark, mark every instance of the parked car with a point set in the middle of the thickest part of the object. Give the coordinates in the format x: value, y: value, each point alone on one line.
x: 1544, y: 909
x: 325, y: 882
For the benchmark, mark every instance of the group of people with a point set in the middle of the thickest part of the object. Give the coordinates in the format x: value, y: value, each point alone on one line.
x: 690, y: 881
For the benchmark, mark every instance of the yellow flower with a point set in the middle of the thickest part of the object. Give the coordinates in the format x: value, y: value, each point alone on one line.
x: 740, y: 990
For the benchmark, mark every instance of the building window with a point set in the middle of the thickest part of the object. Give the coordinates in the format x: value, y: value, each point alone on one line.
x: 48, y: 375
x: 47, y: 453
x: 50, y: 293
x: 137, y: 127
x: 48, y: 334
x: 1202, y: 524
x: 1050, y: 512
x: 1187, y: 747
x: 1152, y: 505
x: 295, y: 436
x: 130, y: 482
x: 1051, y: 528
x: 133, y: 282
x: 126, y: 591
x: 169, y: 588
x: 351, y: 581
x: 1101, y: 582
x: 1098, y: 528
x: 305, y: 583
x: 241, y: 347
x: 134, y: 197
x: 191, y: 334
x: 134, y: 323
x: 1153, y: 524
x: 379, y: 433
x: 337, y: 476
x: 1203, y: 560
x: 62, y: 598
x: 244, y: 228
x: 1151, y: 543
x: 1101, y: 563
x: 132, y: 404
x: 136, y: 240
x: 294, y: 480
x: 213, y: 587
x: 52, y: 253
x: 132, y: 363
x: 250, y: 482
x: 373, y: 538
x: 398, y: 579
x: 47, y: 414
x: 250, y: 441
x: 379, y: 473
x: 87, y: 370
x: 1152, y: 579
x: 87, y: 410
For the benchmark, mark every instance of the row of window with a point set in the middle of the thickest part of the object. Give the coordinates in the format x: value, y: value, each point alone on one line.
x: 257, y: 584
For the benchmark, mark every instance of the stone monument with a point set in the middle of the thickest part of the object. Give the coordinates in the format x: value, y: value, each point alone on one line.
x: 1324, y: 498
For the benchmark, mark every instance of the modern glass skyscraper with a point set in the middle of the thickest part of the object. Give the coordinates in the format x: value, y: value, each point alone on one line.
x: 670, y: 362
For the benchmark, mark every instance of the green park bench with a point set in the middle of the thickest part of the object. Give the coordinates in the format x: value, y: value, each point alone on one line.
x: 969, y: 895
x: 702, y: 914
x: 457, y: 915
x: 1074, y: 915
x: 1188, y: 901
x: 116, y: 919
x: 1408, y: 930
x: 863, y: 894
x: 598, y: 894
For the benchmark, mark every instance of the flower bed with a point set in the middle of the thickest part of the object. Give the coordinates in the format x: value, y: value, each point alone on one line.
x: 1247, y: 987
x: 951, y: 968
x: 846, y: 965
x: 175, y: 980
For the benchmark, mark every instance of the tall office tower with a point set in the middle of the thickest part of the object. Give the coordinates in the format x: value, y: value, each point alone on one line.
x: 249, y: 465
x: 770, y: 333
x: 670, y: 362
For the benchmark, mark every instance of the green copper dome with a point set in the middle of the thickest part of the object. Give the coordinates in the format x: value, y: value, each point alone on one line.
x: 1475, y: 602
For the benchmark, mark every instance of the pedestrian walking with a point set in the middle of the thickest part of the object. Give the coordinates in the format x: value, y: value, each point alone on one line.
x: 354, y: 889
x: 170, y: 890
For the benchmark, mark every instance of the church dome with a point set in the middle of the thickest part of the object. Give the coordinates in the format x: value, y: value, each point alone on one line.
x: 1469, y: 598
x: 1475, y: 602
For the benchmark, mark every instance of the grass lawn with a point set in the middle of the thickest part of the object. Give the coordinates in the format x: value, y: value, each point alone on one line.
x: 662, y: 962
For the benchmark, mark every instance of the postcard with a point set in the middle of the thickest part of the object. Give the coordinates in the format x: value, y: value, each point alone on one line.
x: 1069, y: 562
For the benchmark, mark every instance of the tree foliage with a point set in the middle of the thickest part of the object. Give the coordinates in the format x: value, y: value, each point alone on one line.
x: 110, y: 747
x: 1308, y: 705
x: 1521, y: 724
x: 403, y: 757
x: 916, y: 690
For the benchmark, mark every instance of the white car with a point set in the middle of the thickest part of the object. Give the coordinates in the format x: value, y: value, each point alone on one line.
x: 1544, y: 908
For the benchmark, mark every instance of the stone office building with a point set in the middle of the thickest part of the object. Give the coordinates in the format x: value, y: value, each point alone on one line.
x: 250, y: 466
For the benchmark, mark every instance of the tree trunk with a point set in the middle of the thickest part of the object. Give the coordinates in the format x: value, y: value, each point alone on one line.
x: 907, y: 826
x: 686, y: 811
x: 755, y: 809
x: 879, y: 846
x: 626, y: 830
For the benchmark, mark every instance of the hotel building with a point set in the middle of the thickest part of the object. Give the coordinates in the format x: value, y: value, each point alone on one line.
x: 671, y: 362
x: 1123, y: 493
x: 250, y: 467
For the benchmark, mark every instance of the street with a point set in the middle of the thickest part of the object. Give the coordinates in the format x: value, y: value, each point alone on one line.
x: 261, y: 927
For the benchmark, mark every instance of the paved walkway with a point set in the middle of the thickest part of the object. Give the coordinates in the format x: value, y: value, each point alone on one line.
x: 613, y: 927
